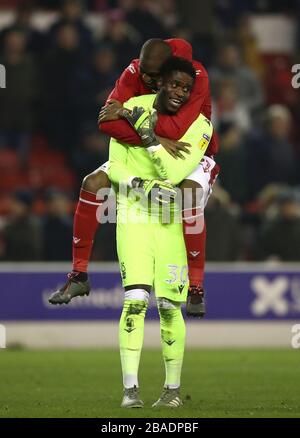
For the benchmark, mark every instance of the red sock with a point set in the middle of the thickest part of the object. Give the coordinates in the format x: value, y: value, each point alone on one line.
x: 195, y: 241
x: 84, y: 229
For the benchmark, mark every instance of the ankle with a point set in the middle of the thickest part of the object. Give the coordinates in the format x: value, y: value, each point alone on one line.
x: 81, y: 276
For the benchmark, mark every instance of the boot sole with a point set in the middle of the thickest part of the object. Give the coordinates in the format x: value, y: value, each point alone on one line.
x: 66, y: 301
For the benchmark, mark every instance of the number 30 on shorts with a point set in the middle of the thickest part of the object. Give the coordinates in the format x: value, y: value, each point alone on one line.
x: 177, y: 274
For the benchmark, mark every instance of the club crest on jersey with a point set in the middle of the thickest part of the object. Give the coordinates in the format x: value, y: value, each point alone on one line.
x: 131, y: 68
x: 203, y: 143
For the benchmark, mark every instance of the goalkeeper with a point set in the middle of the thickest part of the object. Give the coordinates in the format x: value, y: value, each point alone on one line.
x: 152, y: 254
x: 140, y: 78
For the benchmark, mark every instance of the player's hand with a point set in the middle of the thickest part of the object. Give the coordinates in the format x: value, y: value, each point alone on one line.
x: 111, y: 111
x: 161, y: 191
x: 175, y: 148
x: 136, y: 116
x: 143, y: 123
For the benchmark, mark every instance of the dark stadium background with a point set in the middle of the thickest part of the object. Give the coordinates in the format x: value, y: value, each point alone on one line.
x: 62, y: 61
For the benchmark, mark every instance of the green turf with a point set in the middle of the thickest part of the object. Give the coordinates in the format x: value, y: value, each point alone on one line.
x: 215, y: 383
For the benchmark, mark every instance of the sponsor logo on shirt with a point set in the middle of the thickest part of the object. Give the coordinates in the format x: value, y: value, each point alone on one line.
x: 181, y: 287
x: 203, y: 143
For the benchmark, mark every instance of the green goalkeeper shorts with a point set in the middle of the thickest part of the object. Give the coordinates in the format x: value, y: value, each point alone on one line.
x: 154, y: 254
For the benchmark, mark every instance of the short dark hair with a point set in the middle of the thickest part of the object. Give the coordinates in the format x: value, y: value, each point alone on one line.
x: 175, y: 63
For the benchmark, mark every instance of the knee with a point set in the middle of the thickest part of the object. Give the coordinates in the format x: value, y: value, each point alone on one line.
x: 166, y: 304
x: 135, y: 301
x: 135, y: 306
x: 169, y: 311
x: 137, y: 295
x: 95, y: 181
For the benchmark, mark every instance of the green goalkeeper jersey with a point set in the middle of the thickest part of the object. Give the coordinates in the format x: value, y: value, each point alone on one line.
x: 127, y: 161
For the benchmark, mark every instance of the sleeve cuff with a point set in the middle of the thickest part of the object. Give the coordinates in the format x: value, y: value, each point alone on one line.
x: 152, y: 149
x: 129, y: 181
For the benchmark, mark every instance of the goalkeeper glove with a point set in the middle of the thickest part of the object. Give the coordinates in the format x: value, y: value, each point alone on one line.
x: 144, y: 123
x: 164, y: 192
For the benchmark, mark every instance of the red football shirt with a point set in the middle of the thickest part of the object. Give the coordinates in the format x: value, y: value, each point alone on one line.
x: 131, y: 84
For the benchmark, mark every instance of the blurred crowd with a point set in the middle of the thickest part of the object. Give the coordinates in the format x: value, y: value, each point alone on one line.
x: 58, y: 78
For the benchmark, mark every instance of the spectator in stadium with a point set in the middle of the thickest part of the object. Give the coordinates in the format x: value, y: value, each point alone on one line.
x: 270, y: 152
x: 22, y: 22
x: 105, y: 248
x: 230, y: 66
x: 229, y: 12
x: 62, y: 112
x: 95, y: 83
x: 22, y: 236
x: 57, y: 227
x: 229, y: 108
x: 92, y: 148
x: 169, y: 15
x: 249, y: 45
x: 280, y: 235
x: 17, y: 100
x: 140, y: 16
x: 223, y: 242
x: 72, y: 13
x: 232, y: 159
x: 122, y: 37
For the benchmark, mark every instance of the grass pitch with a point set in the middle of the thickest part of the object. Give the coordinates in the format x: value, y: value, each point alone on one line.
x: 215, y: 383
